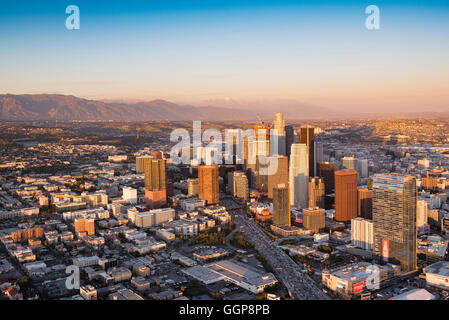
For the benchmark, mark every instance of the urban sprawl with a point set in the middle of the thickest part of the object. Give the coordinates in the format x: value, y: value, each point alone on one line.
x: 355, y: 210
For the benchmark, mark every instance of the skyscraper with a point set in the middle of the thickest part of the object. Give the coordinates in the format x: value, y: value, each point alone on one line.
x: 394, y: 217
x: 313, y: 219
x: 279, y: 125
x: 281, y: 206
x: 192, y: 187
x: 233, y: 144
x: 349, y: 163
x: 318, y: 156
x: 316, y: 192
x: 240, y: 183
x: 155, y: 182
x: 362, y: 234
x: 280, y: 176
x: 208, y: 185
x: 230, y: 182
x: 263, y: 149
x: 299, y: 176
x: 250, y: 156
x: 363, y: 168
x: 289, y: 137
x: 422, y: 213
x: 326, y: 170
x: 140, y: 164
x: 345, y: 195
x: 252, y: 150
x: 261, y: 179
x: 365, y: 203
x: 307, y: 137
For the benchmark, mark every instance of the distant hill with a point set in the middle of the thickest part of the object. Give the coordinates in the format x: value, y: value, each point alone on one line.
x: 65, y: 107
x: 34, y: 107
x: 266, y: 109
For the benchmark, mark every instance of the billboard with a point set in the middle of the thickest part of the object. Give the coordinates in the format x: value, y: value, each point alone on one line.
x: 385, y: 250
x: 358, y: 287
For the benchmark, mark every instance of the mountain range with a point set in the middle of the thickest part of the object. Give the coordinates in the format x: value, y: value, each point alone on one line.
x: 39, y: 107
x: 32, y: 107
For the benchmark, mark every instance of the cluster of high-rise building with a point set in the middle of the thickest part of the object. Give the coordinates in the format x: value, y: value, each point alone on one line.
x: 384, y: 216
x: 155, y: 182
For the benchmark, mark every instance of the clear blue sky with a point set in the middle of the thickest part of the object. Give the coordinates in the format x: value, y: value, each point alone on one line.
x: 318, y: 52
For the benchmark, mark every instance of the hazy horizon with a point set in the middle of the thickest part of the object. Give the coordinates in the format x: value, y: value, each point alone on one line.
x: 232, y: 53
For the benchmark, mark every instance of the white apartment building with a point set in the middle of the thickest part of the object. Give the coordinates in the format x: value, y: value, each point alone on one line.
x: 362, y: 233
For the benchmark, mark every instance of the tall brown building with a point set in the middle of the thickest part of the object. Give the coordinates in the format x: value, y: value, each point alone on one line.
x: 345, y: 195
x: 281, y: 206
x: 84, y: 225
x: 307, y: 136
x: 316, y: 192
x: 313, y: 219
x: 365, y: 203
x: 192, y: 187
x: 140, y: 164
x: 208, y: 185
x: 326, y: 170
x: 240, y: 185
x: 430, y: 183
x: 155, y: 182
x: 281, y: 175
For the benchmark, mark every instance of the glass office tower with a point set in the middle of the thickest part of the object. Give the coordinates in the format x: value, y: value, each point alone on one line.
x: 394, y: 217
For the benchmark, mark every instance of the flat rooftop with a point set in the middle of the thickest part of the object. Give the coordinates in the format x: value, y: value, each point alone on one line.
x: 359, y: 271
x: 441, y: 268
x: 415, y: 294
x: 432, y: 245
x: 241, y: 273
x: 203, y: 274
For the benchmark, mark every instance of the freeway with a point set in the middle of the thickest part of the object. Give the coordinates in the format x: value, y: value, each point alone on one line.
x: 299, y: 285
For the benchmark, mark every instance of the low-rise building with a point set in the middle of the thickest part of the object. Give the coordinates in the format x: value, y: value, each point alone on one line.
x: 432, y: 248
x: 355, y: 278
x: 124, y: 294
x: 437, y: 274
x: 88, y: 292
